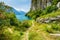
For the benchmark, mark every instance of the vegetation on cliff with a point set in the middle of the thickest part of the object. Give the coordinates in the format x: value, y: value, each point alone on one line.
x: 10, y: 27
x: 13, y: 29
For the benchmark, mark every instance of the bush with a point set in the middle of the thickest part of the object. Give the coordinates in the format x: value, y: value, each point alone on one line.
x: 34, y: 14
x: 54, y: 2
x: 37, y: 13
x: 9, y: 33
x: 49, y: 9
x: 25, y: 25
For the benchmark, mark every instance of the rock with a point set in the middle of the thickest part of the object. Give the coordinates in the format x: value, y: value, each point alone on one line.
x: 48, y: 4
x: 40, y: 4
x: 58, y: 5
x: 53, y: 19
x: 58, y: 16
x: 48, y: 20
x: 55, y: 34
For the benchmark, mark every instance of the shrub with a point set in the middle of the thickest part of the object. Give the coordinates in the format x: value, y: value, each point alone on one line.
x: 54, y: 2
x: 34, y: 14
x: 49, y: 9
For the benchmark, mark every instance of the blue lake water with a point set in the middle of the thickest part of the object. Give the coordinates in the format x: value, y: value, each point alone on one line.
x: 22, y: 17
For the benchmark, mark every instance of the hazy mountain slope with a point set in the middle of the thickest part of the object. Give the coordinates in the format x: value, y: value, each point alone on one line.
x: 18, y: 12
x: 7, y: 8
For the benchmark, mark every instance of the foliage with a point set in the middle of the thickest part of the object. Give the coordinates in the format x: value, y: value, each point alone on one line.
x: 54, y: 2
x: 52, y: 14
x: 38, y: 32
x: 52, y: 27
x: 5, y: 8
x: 49, y: 9
x: 16, y: 26
x: 38, y: 13
x: 9, y: 33
x: 10, y: 27
x: 34, y: 14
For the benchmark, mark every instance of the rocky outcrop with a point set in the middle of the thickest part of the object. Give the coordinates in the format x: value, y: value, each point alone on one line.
x: 40, y: 4
x: 58, y: 5
x: 48, y: 20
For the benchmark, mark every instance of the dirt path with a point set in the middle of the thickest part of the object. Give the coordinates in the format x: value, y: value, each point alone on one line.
x: 26, y: 35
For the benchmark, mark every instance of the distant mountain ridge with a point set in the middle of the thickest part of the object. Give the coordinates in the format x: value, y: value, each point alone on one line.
x: 18, y: 12
x: 9, y: 9
x: 22, y: 12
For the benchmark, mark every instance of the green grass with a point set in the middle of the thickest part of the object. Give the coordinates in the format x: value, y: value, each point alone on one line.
x: 52, y: 14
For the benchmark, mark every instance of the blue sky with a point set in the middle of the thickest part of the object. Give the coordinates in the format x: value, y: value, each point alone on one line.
x: 19, y: 5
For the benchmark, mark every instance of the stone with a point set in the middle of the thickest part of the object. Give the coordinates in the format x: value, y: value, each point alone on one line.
x: 58, y: 5
x: 47, y: 21
x: 53, y: 19
x: 40, y: 4
x: 48, y: 4
x: 58, y: 16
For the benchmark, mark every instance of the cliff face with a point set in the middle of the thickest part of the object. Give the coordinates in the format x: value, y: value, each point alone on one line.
x: 39, y: 4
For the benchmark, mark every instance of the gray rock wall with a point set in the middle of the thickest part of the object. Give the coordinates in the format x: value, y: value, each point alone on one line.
x: 39, y: 4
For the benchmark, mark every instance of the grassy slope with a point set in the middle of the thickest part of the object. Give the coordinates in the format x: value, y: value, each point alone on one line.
x: 36, y: 32
x: 52, y: 14
x: 39, y: 31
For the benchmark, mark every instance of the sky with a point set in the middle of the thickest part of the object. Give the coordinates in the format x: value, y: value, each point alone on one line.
x: 20, y: 5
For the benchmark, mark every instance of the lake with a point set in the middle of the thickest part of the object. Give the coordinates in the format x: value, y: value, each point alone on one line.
x: 22, y: 17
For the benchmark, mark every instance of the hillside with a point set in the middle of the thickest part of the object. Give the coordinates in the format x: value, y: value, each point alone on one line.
x: 10, y: 27
x: 42, y: 4
x: 6, y: 8
x: 42, y: 25
x: 18, y: 12
x: 41, y: 30
x: 47, y: 23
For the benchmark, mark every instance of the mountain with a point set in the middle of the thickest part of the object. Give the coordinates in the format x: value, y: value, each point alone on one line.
x: 7, y: 8
x: 18, y: 12
x: 22, y: 12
